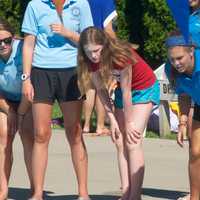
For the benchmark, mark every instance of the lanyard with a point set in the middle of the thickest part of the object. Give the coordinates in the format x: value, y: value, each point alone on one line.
x: 59, y: 8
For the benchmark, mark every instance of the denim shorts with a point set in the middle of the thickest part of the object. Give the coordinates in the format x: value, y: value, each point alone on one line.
x: 151, y: 94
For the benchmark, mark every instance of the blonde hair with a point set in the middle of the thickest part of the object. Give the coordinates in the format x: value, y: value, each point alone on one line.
x: 114, y: 51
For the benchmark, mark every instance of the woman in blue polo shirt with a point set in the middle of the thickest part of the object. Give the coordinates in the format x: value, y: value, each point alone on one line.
x: 52, y: 29
x: 194, y: 21
x: 15, y: 112
x: 184, y: 73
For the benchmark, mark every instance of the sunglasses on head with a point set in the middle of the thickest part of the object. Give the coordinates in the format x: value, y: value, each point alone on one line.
x: 6, y: 41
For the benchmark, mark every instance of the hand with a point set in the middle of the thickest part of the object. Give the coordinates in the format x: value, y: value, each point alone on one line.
x: 132, y: 135
x: 58, y: 28
x: 27, y: 90
x: 12, y: 122
x: 182, y: 130
x: 115, y: 131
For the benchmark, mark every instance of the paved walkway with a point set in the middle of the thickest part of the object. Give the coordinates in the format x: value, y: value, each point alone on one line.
x: 165, y: 176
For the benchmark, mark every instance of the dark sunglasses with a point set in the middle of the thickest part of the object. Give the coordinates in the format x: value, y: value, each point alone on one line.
x: 6, y: 41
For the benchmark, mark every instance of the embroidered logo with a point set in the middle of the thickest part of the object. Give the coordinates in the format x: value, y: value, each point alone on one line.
x: 75, y: 11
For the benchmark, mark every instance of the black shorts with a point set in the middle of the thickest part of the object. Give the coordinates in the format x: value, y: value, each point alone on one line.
x: 51, y: 84
x: 196, y: 115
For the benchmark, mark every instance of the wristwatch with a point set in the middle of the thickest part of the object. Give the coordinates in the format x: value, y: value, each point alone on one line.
x: 25, y: 77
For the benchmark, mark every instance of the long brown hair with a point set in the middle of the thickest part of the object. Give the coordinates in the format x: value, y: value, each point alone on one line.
x: 5, y: 26
x: 114, y: 51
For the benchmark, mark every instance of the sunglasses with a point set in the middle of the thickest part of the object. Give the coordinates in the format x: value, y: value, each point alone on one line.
x: 6, y: 41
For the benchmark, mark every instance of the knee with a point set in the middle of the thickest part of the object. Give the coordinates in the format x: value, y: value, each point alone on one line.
x: 195, y: 153
x: 42, y: 135
x: 27, y: 134
x: 74, y: 133
x: 5, y: 137
x: 133, y: 146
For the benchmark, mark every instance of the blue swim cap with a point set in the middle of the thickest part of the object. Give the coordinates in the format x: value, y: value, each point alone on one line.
x: 178, y: 40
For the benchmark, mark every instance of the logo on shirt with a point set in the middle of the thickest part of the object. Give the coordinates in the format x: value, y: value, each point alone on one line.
x: 75, y: 11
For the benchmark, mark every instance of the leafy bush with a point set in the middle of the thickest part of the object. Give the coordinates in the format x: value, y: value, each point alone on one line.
x: 122, y: 25
x: 144, y: 22
x: 149, y: 22
x: 10, y: 11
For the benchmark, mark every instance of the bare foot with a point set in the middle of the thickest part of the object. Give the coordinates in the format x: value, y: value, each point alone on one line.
x: 104, y: 131
x: 3, y: 195
x: 125, y: 196
x: 86, y: 130
x: 35, y: 198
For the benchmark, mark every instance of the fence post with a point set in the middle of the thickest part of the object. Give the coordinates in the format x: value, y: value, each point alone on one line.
x: 164, y: 121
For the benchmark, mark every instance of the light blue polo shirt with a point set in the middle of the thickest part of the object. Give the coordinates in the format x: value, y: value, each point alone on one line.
x: 194, y: 27
x: 10, y: 73
x: 189, y: 84
x: 53, y: 50
x: 103, y: 12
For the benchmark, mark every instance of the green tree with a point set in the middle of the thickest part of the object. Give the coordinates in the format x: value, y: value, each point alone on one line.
x: 10, y: 11
x: 147, y: 23
x: 157, y: 23
x: 121, y: 23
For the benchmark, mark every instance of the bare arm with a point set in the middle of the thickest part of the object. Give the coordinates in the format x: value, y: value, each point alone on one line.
x: 23, y: 106
x: 103, y: 93
x: 61, y: 30
x: 5, y: 106
x: 109, y: 30
x: 105, y: 99
x: 10, y: 110
x: 28, y: 48
x: 184, y: 104
x: 132, y: 134
x: 125, y: 83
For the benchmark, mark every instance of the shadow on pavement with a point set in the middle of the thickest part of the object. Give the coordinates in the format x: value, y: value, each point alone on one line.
x: 24, y: 194
x: 74, y: 197
x: 162, y: 194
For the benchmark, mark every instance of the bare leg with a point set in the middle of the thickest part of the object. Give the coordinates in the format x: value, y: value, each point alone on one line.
x: 189, y: 132
x: 122, y: 155
x: 190, y: 116
x: 194, y: 162
x: 71, y: 112
x: 141, y: 113
x: 100, y: 111
x: 27, y: 138
x: 42, y: 129
x: 88, y: 106
x: 6, y: 156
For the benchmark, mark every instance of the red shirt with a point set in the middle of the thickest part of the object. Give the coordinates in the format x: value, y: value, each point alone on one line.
x: 142, y: 75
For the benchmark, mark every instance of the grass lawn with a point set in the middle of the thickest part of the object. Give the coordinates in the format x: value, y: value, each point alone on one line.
x: 57, y: 114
